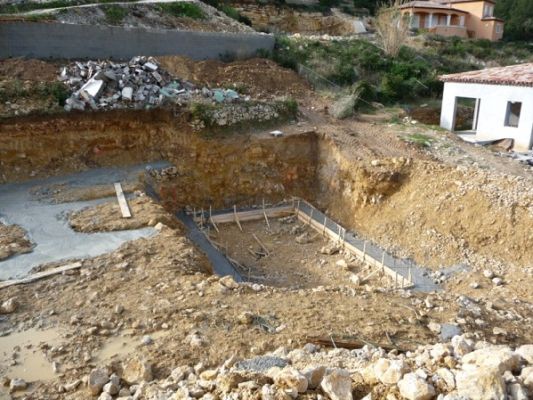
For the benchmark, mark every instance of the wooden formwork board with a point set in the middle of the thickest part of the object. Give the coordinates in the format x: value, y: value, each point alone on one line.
x: 252, y: 215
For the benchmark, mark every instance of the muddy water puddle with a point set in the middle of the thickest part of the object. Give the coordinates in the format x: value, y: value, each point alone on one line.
x: 120, y: 347
x: 21, y: 356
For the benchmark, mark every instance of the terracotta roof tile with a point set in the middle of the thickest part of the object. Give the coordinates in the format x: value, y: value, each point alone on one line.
x: 513, y: 75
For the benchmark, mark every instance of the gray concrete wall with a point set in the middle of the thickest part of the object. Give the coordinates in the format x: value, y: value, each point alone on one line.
x: 55, y: 40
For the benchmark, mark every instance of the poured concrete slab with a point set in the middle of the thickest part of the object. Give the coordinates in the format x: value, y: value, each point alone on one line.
x: 46, y: 223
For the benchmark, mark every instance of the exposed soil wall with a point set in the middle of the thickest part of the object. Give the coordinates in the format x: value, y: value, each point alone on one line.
x: 221, y: 171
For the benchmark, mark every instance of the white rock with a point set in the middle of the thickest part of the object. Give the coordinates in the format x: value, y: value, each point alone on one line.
x: 526, y: 352
x: 413, y: 387
x: 127, y: 93
x: 229, y: 282
x: 527, y: 377
x: 493, y: 357
x: 17, y: 384
x: 461, y: 346
x: 97, y: 379
x: 447, y: 377
x: 388, y: 371
x: 291, y: 379
x: 337, y: 384
x: 434, y: 327
x: 136, y: 370
x: 355, y: 279
x: 517, y: 392
x: 342, y: 264
x: 105, y: 396
x: 314, y: 375
x: 497, y: 281
x: 9, y: 306
x: 111, y: 388
x: 488, y: 274
x: 480, y: 383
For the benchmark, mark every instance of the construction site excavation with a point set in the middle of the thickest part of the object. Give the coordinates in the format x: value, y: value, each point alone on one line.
x: 215, y: 220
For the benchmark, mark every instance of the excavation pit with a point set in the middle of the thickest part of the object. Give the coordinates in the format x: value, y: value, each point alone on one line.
x: 295, y: 245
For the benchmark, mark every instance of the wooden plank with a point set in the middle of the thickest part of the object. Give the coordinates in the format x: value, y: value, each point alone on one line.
x: 124, y: 208
x: 40, y: 275
x: 261, y: 244
x: 254, y: 215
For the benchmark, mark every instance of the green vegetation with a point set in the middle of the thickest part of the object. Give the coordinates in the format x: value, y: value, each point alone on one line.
x: 418, y: 139
x: 518, y: 16
x: 16, y: 89
x: 229, y: 11
x: 413, y: 73
x: 114, y: 14
x: 181, y: 9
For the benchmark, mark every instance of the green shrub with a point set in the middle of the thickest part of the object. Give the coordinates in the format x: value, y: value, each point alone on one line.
x: 181, y: 9
x: 114, y: 14
x: 16, y: 89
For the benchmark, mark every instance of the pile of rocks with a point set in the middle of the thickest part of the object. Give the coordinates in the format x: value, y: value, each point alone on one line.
x: 140, y: 83
x: 458, y: 370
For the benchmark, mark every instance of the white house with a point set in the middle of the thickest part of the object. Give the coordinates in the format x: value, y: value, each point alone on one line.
x: 503, y: 99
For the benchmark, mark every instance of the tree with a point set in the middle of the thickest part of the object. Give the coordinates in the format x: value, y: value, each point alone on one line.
x: 392, y: 27
x: 518, y: 16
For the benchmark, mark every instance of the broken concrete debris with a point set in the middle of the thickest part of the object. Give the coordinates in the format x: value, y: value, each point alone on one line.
x: 140, y: 83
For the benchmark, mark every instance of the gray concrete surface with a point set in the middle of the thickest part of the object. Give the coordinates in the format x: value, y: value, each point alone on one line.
x: 56, y: 40
x: 46, y: 223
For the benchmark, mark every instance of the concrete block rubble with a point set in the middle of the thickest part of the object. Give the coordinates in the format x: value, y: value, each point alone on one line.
x: 140, y: 83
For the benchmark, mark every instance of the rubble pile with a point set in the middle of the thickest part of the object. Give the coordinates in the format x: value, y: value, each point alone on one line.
x: 461, y: 369
x: 140, y: 83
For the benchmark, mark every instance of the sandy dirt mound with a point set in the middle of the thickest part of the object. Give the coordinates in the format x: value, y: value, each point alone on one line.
x: 108, y: 217
x: 258, y: 77
x: 13, y: 240
x: 28, y: 70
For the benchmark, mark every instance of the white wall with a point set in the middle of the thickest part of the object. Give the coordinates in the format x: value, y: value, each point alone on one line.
x: 492, y: 111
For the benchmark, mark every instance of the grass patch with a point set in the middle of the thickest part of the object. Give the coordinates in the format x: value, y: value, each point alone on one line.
x: 418, y: 139
x: 114, y: 14
x: 16, y: 89
x: 179, y: 9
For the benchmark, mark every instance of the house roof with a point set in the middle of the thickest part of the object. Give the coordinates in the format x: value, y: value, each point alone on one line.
x: 513, y: 75
x: 429, y: 4
x: 464, y: 1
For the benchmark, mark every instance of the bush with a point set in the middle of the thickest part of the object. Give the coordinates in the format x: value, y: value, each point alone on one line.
x: 181, y: 9
x: 114, y: 14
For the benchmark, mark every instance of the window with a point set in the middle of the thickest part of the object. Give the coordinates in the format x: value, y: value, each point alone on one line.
x: 512, y: 116
x: 498, y: 28
x: 487, y: 11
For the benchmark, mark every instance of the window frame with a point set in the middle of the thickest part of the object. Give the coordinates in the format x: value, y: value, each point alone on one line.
x: 508, y: 114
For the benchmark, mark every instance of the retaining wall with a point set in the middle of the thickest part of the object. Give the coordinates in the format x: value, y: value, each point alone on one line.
x: 55, y: 40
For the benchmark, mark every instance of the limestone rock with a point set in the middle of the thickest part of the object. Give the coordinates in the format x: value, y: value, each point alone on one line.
x: 17, y: 384
x: 526, y: 352
x: 337, y: 384
x: 314, y: 376
x: 97, y: 379
x: 291, y: 379
x: 9, y: 306
x: 447, y: 377
x: 229, y: 282
x: 527, y: 378
x: 136, y: 370
x: 517, y: 392
x: 480, y: 383
x: 461, y: 346
x: 389, y: 372
x: 413, y: 387
x: 493, y: 357
x: 105, y: 396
